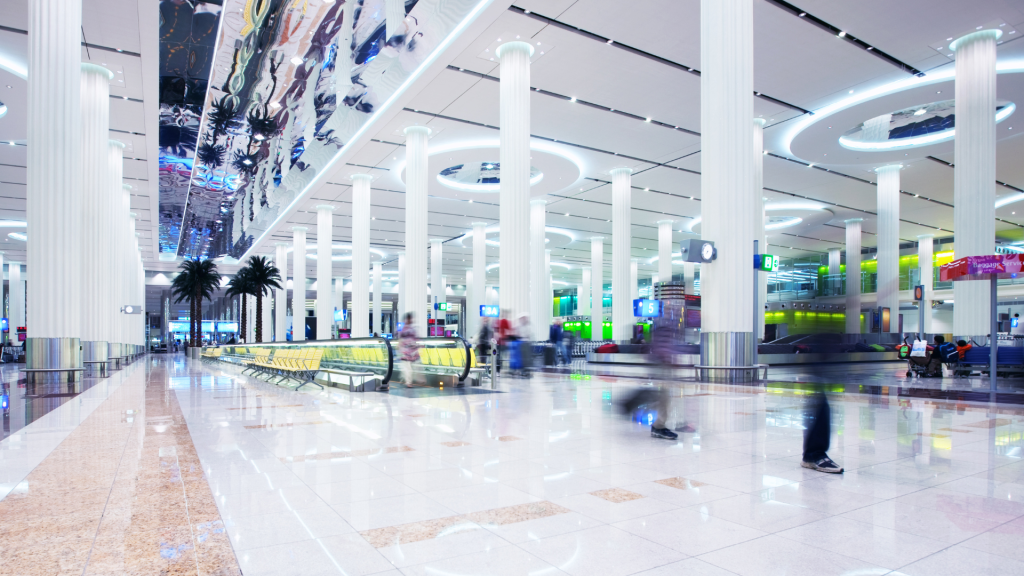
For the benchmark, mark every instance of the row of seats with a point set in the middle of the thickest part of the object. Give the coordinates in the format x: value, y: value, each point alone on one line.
x: 452, y: 357
x: 211, y: 353
x: 297, y: 363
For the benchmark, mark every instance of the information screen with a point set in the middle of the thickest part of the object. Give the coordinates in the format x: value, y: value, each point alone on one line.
x: 230, y: 327
x: 647, y: 308
x: 489, y: 311
x: 177, y: 326
x: 442, y: 306
x: 769, y: 263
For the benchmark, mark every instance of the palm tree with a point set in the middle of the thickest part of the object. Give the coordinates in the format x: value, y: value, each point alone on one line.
x: 196, y: 282
x: 241, y: 286
x: 263, y: 276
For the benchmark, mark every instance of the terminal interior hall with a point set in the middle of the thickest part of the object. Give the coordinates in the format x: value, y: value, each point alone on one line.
x: 511, y: 287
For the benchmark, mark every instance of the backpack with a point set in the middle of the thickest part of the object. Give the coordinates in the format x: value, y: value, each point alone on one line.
x: 948, y: 353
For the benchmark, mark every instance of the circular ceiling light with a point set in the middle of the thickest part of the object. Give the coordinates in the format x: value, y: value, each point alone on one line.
x: 479, y: 177
x: 18, y: 236
x: 780, y: 222
x: 919, y: 125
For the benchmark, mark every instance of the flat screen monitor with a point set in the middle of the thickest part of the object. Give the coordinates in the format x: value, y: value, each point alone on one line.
x: 178, y: 326
x: 488, y: 311
x: 229, y: 327
x: 21, y: 336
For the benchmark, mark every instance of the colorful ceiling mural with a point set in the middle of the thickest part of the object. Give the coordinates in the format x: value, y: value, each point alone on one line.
x: 292, y: 81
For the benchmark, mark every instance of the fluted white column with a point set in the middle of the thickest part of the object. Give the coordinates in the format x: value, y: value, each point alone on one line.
x: 298, y: 284
x: 16, y: 306
x: 95, y: 101
x: 478, y: 286
x: 888, y: 292
x: 324, y: 261
x: 664, y: 250
x: 583, y: 294
x: 538, y: 273
x: 622, y: 306
x: 361, y: 255
x: 925, y: 255
x: 472, y: 307
x: 853, y: 275
x: 727, y: 179
x: 128, y: 274
x: 3, y: 312
x: 110, y: 235
x: 759, y: 221
x: 394, y: 12
x: 378, y: 306
x: 514, y: 194
x: 436, y: 275
x: 53, y: 192
x: 266, y: 315
x: 401, y: 290
x: 634, y: 281
x: 548, y: 316
x: 416, y: 180
x: 281, y: 294
x: 835, y: 261
x: 124, y: 223
x: 975, y: 173
x: 250, y: 320
x: 596, y: 287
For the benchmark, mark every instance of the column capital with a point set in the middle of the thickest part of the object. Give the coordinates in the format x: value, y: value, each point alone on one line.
x: 666, y: 221
x: 475, y: 224
x: 416, y: 130
x: 993, y: 33
x: 299, y: 228
x: 97, y: 69
x: 538, y: 202
x: 925, y: 236
x: 760, y: 122
x: 853, y: 220
x: 516, y: 46
x: 436, y: 240
x: 621, y: 170
x: 358, y: 177
x: 324, y: 207
x: 282, y: 244
x: 597, y: 238
x: 126, y: 187
x: 889, y: 168
x: 116, y: 143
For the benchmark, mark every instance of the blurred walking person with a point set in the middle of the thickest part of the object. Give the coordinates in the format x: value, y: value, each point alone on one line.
x: 408, y: 348
x: 817, y: 435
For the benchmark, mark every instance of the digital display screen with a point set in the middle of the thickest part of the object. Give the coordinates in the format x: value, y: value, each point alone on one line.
x: 489, y: 311
x: 230, y: 327
x: 647, y: 308
x: 177, y: 326
x: 769, y: 263
x: 442, y: 306
x: 3, y: 324
x: 1013, y: 322
x: 692, y: 318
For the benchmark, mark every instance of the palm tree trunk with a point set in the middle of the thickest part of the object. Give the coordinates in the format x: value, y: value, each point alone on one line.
x: 197, y: 321
x: 245, y: 333
x: 259, y: 316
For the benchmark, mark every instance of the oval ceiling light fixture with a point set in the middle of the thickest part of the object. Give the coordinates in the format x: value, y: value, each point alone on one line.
x: 479, y: 177
x: 780, y: 222
x: 18, y: 236
x: 12, y: 224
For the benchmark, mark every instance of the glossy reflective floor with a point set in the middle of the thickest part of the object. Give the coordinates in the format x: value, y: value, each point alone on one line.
x: 543, y: 477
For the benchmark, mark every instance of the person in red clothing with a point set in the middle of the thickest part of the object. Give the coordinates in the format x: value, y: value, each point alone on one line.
x: 962, y: 347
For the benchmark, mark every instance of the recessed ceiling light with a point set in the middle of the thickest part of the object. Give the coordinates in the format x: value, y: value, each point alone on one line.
x: 802, y: 14
x: 609, y: 42
x: 296, y: 60
x: 851, y: 91
x: 842, y: 34
x: 919, y: 112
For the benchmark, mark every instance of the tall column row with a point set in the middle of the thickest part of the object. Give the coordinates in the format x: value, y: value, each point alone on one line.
x: 416, y: 226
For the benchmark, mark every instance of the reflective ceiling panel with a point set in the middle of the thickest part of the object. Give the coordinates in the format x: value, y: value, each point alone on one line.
x: 292, y: 82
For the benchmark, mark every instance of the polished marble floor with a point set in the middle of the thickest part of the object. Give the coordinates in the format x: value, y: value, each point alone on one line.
x: 542, y: 477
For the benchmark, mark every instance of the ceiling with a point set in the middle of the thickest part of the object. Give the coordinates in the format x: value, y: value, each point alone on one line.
x: 800, y: 65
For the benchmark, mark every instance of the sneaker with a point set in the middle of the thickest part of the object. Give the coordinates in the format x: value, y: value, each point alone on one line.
x: 824, y: 465
x: 663, y: 433
x: 686, y: 429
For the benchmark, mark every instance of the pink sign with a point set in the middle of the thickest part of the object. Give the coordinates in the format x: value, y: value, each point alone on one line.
x: 983, y: 267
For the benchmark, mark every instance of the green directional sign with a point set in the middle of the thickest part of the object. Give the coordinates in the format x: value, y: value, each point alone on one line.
x: 769, y: 263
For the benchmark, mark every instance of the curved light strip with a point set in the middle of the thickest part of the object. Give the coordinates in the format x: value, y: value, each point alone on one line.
x: 3, y: 109
x: 770, y: 208
x: 13, y: 67
x: 790, y: 221
x: 549, y: 229
x: 497, y: 243
x: 927, y: 139
x: 462, y: 187
x: 539, y: 145
x: 1011, y: 67
x: 1009, y: 199
x: 18, y: 236
x: 12, y: 224
x: 312, y: 248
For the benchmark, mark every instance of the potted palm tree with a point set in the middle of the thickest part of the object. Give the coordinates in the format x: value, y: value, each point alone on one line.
x: 196, y: 281
x: 263, y: 277
x: 241, y: 285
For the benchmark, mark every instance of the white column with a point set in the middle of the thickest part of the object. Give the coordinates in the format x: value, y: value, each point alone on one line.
x: 514, y: 195
x: 281, y: 295
x: 250, y: 321
x: 622, y: 306
x: 324, y: 261
x: 583, y: 294
x: 401, y: 289
x: 853, y: 275
x: 378, y: 306
x: 634, y: 282
x: 690, y: 278
x: 479, y: 284
x: 759, y: 222
x: 548, y: 316
x: 361, y: 255
x: 472, y: 308
x: 664, y: 250
x: 110, y: 214
x: 727, y: 183
x: 95, y: 100
x: 3, y: 312
x: 596, y: 287
x: 53, y: 193
x: 436, y: 274
x: 16, y: 307
x: 835, y: 261
x: 538, y: 273
x: 124, y: 225
x: 925, y: 255
x: 266, y: 306
x: 416, y: 179
x: 975, y: 173
x: 298, y: 284
x: 888, y: 293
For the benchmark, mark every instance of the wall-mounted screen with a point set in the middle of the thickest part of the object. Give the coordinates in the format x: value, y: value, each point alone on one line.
x: 489, y: 311
x: 230, y: 327
x: 647, y: 308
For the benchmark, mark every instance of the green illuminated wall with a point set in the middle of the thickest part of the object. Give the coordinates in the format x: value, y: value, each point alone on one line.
x: 810, y: 322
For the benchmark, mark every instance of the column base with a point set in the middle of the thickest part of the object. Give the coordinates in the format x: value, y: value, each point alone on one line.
x: 53, y: 354
x: 95, y: 351
x: 726, y: 357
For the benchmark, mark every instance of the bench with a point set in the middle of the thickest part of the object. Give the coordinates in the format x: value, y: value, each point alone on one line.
x: 211, y: 354
x: 100, y: 364
x: 1009, y: 360
x: 70, y: 371
x: 300, y: 365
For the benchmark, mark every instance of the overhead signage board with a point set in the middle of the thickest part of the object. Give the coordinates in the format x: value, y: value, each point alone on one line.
x: 766, y: 262
x: 228, y: 327
x: 488, y: 311
x: 443, y: 306
x: 647, y: 308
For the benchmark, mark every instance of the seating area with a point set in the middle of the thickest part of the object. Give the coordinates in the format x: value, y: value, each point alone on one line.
x: 211, y: 354
x: 301, y: 365
x: 1009, y: 361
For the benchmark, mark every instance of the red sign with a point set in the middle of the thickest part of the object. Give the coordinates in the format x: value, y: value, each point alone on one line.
x: 982, y: 267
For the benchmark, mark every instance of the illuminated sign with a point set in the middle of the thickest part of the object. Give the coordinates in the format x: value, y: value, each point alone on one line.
x: 230, y: 327
x: 647, y: 308
x: 766, y: 262
x: 489, y: 311
x: 444, y: 306
x: 918, y: 293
